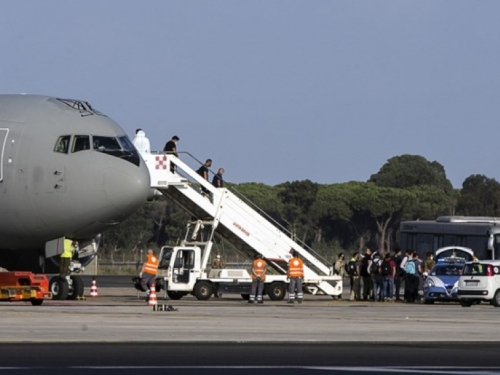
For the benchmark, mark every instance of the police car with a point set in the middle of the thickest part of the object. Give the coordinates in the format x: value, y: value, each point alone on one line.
x: 442, y: 282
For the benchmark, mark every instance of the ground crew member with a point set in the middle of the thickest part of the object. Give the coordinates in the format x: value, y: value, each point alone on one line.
x: 218, y: 263
x: 66, y: 256
x: 296, y: 275
x: 148, y: 272
x: 258, y: 277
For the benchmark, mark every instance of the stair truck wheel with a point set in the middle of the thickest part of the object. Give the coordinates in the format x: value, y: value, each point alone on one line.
x: 203, y: 290
x: 175, y: 295
x: 276, y: 291
x: 59, y: 288
x: 76, y: 289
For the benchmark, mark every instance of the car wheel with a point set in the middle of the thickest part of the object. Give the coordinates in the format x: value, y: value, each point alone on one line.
x: 428, y: 302
x: 496, y: 299
x: 245, y: 296
x: 465, y: 303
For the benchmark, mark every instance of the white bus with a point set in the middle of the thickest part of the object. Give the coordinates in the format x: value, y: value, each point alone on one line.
x: 481, y: 234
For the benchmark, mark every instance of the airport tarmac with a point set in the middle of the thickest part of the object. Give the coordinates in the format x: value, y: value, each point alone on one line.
x: 120, y: 315
x: 118, y: 333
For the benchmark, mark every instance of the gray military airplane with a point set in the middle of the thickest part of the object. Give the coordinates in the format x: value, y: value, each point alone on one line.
x: 66, y: 171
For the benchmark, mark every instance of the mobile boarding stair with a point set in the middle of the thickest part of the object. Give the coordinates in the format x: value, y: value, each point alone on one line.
x: 236, y: 221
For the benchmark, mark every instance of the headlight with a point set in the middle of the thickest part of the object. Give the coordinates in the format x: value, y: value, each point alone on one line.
x: 428, y: 283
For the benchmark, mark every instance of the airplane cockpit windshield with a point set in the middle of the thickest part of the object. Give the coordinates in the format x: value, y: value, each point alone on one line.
x: 120, y: 147
x: 62, y: 144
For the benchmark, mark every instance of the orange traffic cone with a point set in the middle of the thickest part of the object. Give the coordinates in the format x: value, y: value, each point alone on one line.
x: 93, y: 288
x: 152, y: 301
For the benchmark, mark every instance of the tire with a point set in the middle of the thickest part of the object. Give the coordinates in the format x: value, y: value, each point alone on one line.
x: 76, y: 289
x: 465, y: 303
x: 203, y: 290
x: 175, y: 295
x: 59, y: 288
x: 159, y: 285
x: 428, y: 302
x: 36, y: 301
x: 276, y: 291
x: 496, y: 299
x: 246, y: 297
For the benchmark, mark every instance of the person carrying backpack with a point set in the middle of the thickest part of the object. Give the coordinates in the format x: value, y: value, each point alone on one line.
x: 410, y: 279
x: 388, y: 272
x: 377, y: 281
x: 365, y: 275
x: 339, y: 268
x: 353, y: 268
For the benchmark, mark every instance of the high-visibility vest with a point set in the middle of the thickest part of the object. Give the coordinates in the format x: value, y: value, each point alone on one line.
x: 296, y: 268
x: 151, y: 265
x: 68, y: 249
x: 259, y: 269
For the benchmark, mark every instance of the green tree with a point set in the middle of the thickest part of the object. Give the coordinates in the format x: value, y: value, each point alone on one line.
x: 332, y: 212
x: 480, y: 196
x: 260, y: 197
x: 406, y: 171
x: 379, y: 210
x: 298, y: 198
x: 429, y: 202
x: 129, y: 237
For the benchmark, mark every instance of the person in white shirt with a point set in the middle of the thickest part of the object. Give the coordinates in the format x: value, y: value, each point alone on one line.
x: 141, y: 143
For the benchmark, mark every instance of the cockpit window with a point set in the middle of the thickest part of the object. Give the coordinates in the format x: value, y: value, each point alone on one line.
x: 111, y: 146
x: 127, y: 145
x: 105, y: 143
x: 62, y: 144
x: 81, y: 143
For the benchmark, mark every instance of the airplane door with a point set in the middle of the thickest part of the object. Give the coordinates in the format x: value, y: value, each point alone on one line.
x: 3, y: 140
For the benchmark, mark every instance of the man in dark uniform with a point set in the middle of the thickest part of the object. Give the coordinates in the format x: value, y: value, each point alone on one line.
x: 203, y: 172
x: 217, y: 180
x: 171, y: 148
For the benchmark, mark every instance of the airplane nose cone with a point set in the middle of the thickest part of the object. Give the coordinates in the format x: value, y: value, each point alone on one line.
x: 127, y: 187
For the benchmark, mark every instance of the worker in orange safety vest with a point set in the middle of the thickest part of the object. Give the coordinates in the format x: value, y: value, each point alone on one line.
x: 296, y: 275
x: 149, y: 270
x: 259, y: 269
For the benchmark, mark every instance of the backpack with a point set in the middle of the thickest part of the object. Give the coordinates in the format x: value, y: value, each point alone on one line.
x: 375, y: 267
x: 385, y: 268
x: 410, y: 267
x: 350, y: 268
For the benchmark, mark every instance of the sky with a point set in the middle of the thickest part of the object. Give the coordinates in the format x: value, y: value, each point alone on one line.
x: 275, y: 91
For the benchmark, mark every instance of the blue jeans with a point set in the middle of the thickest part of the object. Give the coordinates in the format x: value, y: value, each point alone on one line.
x: 388, y: 288
x: 378, y: 287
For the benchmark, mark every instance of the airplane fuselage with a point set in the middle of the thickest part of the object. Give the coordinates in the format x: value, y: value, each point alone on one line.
x: 66, y: 170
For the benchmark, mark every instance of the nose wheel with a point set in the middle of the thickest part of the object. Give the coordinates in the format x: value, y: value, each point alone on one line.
x: 63, y: 289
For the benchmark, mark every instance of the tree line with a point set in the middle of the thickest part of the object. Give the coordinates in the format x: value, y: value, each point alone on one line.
x: 328, y: 217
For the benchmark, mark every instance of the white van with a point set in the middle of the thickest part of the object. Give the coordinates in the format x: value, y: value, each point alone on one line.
x: 480, y: 281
